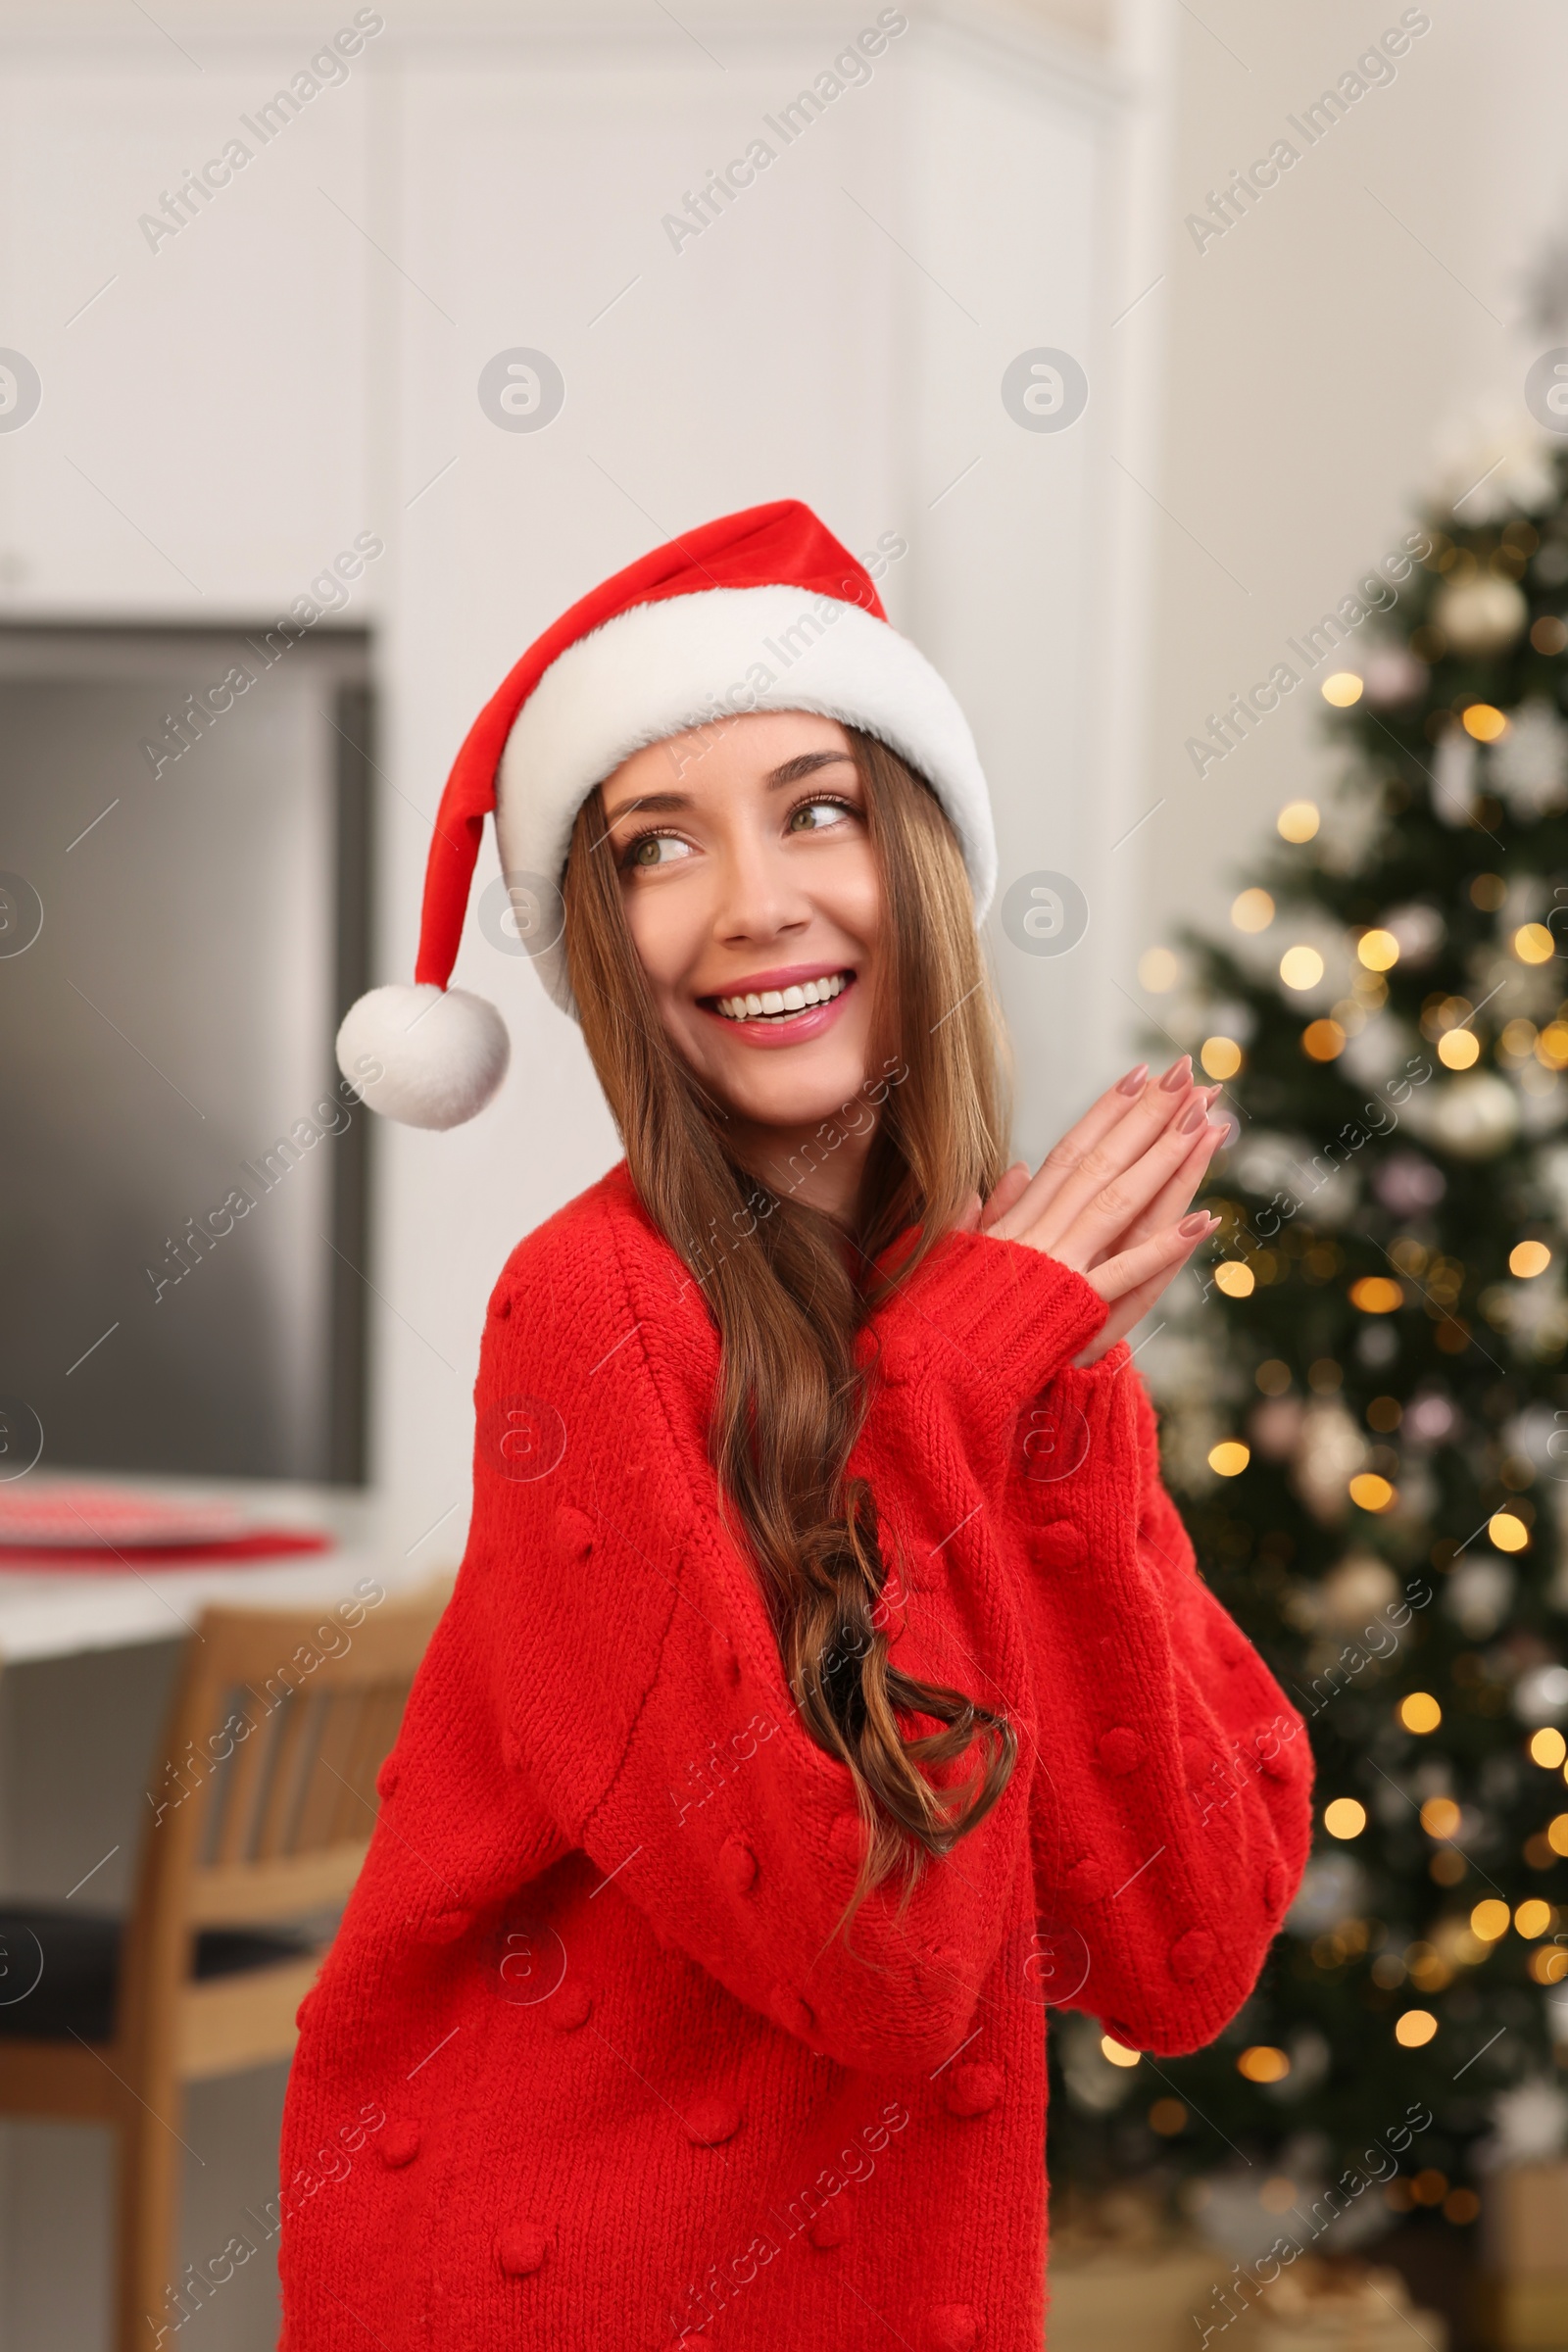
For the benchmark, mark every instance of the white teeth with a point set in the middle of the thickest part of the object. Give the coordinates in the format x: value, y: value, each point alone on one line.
x: 774, y: 1003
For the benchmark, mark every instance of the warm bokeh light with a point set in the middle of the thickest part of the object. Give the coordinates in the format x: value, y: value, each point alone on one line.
x: 1415, y: 2029
x: 1488, y: 892
x: 1158, y: 970
x: 1342, y: 689
x: 1533, y: 943
x: 1167, y: 2117
x: 1377, y: 1295
x: 1118, y: 2051
x: 1379, y: 950
x: 1509, y: 1534
x: 1533, y: 1918
x: 1263, y: 2064
x: 1419, y: 1711
x: 1548, y: 1964
x: 1549, y: 635
x: 1526, y: 1259
x: 1485, y: 721
x: 1490, y: 1920
x: 1551, y: 1046
x: 1254, y: 911
x: 1229, y: 1458
x: 1558, y: 1833
x: 1458, y: 1050
x: 1235, y: 1279
x: 1323, y: 1041
x: 1221, y: 1056
x: 1441, y: 1817
x: 1547, y: 1748
x: 1370, y: 1493
x: 1297, y: 820
x: 1300, y: 967
x: 1344, y: 1817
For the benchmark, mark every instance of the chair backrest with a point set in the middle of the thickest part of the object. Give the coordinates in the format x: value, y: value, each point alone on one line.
x: 263, y: 1798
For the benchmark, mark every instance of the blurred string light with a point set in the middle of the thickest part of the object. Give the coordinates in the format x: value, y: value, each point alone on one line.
x: 1297, y: 820
x: 1485, y: 722
x: 1344, y: 1817
x: 1419, y: 1711
x: 1323, y: 1041
x: 1300, y: 967
x: 1379, y: 950
x: 1533, y: 943
x: 1547, y: 1748
x: 1342, y: 689
x: 1221, y: 1056
x: 1229, y: 1458
x: 1526, y: 1259
x: 1158, y: 970
x: 1253, y: 910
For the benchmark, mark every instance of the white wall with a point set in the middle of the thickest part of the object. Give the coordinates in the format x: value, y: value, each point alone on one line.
x: 1314, y: 351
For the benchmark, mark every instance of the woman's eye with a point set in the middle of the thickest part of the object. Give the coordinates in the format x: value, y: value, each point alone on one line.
x: 655, y: 849
x: 814, y: 816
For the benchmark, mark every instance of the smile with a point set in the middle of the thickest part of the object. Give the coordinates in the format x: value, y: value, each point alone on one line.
x: 784, y: 1004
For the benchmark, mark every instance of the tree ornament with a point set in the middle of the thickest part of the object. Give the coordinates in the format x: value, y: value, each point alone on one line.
x: 1483, y: 615
x: 1473, y: 1116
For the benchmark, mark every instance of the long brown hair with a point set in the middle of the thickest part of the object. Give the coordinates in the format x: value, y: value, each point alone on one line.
x: 787, y: 1298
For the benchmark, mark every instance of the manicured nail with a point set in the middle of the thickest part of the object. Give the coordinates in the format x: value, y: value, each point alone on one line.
x: 1177, y: 1075
x: 1133, y: 1083
x: 1198, y: 1223
x: 1191, y: 1118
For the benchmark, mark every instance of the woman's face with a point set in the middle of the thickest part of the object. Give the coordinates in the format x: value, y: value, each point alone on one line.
x: 756, y: 906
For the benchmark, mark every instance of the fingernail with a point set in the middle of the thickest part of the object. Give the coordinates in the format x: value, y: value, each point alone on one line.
x: 1198, y: 1222
x: 1133, y: 1083
x: 1191, y: 1118
x: 1177, y: 1075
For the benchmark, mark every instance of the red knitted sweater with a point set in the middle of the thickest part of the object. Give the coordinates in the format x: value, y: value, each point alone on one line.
x: 587, y: 2069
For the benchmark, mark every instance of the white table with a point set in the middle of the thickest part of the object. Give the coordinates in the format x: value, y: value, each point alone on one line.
x: 63, y: 1613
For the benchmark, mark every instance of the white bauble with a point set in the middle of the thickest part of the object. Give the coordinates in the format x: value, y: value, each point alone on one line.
x: 1481, y: 616
x: 1474, y: 1116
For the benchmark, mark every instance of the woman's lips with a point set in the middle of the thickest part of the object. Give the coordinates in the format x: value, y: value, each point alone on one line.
x: 792, y: 1029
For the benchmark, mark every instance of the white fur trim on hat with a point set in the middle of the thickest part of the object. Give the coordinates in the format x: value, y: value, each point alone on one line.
x: 430, y: 1056
x: 658, y: 669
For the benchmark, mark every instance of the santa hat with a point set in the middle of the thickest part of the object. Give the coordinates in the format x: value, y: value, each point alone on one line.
x: 761, y: 611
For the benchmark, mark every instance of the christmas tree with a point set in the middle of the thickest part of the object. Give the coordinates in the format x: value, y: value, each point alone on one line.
x: 1364, y: 1399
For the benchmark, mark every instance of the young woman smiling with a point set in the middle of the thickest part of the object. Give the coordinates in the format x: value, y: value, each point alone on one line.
x: 828, y: 1690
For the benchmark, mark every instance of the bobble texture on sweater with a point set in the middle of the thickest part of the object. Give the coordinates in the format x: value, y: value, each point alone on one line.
x: 588, y: 2068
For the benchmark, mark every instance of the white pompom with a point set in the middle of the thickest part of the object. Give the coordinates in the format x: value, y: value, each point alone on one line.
x: 426, y: 1056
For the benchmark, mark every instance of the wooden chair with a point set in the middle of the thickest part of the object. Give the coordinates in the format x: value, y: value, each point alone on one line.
x: 262, y: 1806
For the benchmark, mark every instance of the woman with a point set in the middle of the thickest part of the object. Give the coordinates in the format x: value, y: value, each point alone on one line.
x: 828, y: 1688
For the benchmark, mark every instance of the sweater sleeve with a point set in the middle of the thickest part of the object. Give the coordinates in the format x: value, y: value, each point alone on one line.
x: 644, y: 1700
x: 1172, y: 1817
x: 1170, y: 1811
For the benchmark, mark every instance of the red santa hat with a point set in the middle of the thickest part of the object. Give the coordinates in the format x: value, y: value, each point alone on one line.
x: 760, y: 611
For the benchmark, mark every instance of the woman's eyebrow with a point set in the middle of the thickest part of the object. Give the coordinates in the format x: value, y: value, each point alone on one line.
x: 804, y: 765
x: 664, y: 804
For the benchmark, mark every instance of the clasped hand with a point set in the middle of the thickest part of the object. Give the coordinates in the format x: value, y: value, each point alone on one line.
x: 1110, y: 1200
